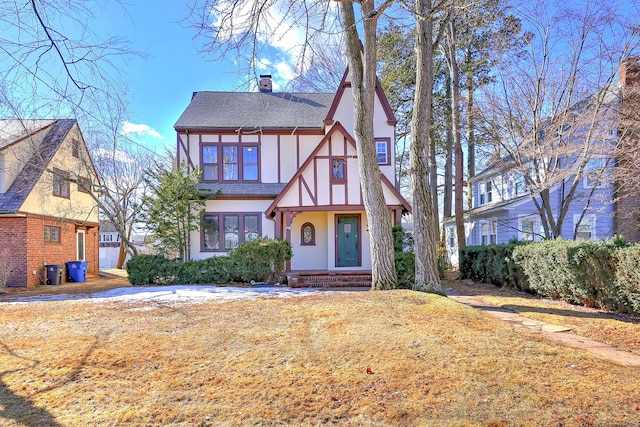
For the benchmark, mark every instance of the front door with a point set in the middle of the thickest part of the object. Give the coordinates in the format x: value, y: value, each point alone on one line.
x: 80, y: 245
x: 347, y: 241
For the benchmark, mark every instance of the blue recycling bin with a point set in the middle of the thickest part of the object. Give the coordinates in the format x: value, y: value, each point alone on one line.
x: 77, y: 271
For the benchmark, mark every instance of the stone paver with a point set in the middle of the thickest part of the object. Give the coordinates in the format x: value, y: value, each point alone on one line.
x: 556, y: 333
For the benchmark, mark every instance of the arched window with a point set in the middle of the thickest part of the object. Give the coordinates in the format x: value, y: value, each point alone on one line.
x: 307, y: 234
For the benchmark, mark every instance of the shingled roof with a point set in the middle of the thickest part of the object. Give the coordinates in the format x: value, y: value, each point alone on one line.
x: 255, y: 110
x: 16, y: 194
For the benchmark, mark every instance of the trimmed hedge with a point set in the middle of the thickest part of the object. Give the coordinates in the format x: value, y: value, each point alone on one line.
x: 261, y: 260
x: 628, y: 277
x: 578, y: 271
x: 493, y: 264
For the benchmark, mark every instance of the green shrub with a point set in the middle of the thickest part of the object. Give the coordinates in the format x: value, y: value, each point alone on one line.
x: 580, y: 272
x: 262, y: 260
x: 628, y: 278
x: 493, y: 264
x: 405, y: 269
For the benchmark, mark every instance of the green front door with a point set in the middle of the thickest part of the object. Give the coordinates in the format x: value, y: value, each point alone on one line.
x: 347, y: 241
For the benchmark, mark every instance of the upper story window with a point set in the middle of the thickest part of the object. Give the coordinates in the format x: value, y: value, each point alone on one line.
x: 75, y: 147
x: 230, y: 162
x: 60, y: 183
x: 383, y: 151
x: 84, y: 184
x: 518, y: 184
x: 338, y: 169
x: 489, y: 191
x: 593, y: 173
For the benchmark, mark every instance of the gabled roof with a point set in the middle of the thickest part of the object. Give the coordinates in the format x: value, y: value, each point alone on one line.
x: 255, y: 110
x: 22, y: 185
x: 337, y: 127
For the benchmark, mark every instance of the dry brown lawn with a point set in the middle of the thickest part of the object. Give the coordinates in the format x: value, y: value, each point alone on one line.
x: 297, y: 361
x: 621, y: 331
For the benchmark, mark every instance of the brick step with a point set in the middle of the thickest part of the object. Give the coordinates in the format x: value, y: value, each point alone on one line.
x: 329, y: 280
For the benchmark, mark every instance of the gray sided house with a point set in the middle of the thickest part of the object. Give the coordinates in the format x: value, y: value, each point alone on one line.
x: 583, y: 190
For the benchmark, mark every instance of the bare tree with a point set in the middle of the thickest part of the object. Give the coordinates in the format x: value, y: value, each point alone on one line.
x: 54, y: 65
x: 554, y: 111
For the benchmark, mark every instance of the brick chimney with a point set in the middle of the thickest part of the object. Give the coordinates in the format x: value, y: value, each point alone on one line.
x: 265, y: 85
x: 629, y: 71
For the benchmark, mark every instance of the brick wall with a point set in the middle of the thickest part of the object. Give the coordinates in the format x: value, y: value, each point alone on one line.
x: 13, y: 251
x: 29, y: 252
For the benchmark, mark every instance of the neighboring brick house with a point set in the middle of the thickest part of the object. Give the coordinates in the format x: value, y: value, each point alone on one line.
x: 47, y: 215
x: 503, y: 207
x: 286, y: 167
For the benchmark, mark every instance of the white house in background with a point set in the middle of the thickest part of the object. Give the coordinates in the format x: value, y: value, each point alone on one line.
x: 109, y: 242
x: 286, y: 167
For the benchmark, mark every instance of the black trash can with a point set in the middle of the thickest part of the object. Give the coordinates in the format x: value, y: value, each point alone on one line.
x: 54, y: 274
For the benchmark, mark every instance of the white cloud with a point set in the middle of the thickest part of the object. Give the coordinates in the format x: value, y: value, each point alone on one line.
x: 139, y: 129
x: 118, y: 155
x: 285, y: 26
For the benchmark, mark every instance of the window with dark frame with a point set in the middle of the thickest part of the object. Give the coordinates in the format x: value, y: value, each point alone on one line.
x: 84, y: 185
x: 307, y: 234
x: 230, y: 162
x: 51, y: 234
x: 337, y: 169
x: 75, y: 147
x: 383, y: 152
x: 61, y: 183
x: 224, y: 232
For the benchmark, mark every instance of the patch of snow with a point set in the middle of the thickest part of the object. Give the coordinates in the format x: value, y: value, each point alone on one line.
x: 177, y: 294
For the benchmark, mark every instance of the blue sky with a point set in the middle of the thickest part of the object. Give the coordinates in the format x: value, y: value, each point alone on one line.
x: 161, y: 84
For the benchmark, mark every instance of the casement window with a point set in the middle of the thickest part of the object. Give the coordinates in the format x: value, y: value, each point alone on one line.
x: 307, y: 234
x: 584, y: 227
x: 225, y: 231
x: 383, y: 151
x: 230, y: 162
x: 338, y: 166
x: 84, y: 185
x: 51, y: 234
x: 61, y: 183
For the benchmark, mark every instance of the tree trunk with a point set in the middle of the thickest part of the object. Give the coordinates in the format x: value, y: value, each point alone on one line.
x: 362, y: 67
x: 426, y: 273
x: 122, y: 255
x: 448, y: 164
x: 455, y: 127
x: 471, y: 137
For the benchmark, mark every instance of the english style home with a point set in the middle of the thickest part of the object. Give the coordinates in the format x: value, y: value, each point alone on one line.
x: 503, y: 205
x: 285, y: 166
x: 47, y: 213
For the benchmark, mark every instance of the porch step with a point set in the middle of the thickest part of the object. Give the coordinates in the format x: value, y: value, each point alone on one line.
x: 329, y: 279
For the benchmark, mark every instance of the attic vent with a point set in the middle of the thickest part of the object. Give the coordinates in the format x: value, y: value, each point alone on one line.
x: 265, y: 83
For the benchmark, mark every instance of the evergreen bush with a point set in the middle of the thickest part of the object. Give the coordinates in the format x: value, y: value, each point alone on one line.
x: 261, y: 260
x: 628, y: 278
